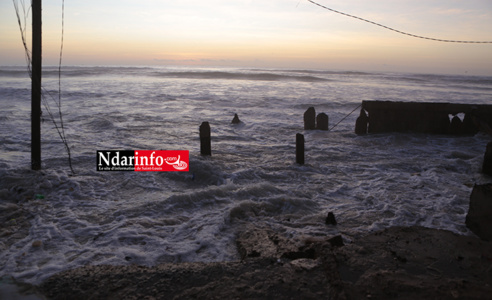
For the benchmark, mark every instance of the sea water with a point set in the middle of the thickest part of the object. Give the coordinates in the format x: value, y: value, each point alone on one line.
x: 53, y: 220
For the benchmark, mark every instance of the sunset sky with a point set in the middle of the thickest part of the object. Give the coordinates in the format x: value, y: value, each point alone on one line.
x: 261, y: 33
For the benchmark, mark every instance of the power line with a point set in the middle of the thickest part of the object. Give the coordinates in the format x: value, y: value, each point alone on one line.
x: 399, y: 31
x: 23, y: 31
x: 62, y: 126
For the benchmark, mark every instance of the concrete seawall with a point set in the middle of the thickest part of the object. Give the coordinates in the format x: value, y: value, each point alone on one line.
x: 423, y: 117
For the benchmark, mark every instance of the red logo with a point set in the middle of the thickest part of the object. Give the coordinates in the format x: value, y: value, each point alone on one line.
x: 143, y: 160
x: 161, y: 160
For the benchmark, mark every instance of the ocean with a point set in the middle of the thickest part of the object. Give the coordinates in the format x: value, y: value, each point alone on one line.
x: 53, y: 220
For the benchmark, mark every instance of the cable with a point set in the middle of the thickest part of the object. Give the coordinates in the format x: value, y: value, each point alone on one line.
x: 346, y: 117
x: 62, y: 133
x: 23, y: 30
x: 59, y: 68
x: 398, y: 31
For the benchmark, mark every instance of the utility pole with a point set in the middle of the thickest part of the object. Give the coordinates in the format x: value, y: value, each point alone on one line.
x: 36, y: 86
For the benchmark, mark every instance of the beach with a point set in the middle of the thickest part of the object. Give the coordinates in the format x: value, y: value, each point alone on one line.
x: 396, y: 263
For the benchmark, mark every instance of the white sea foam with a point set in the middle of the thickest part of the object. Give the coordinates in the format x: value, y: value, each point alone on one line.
x: 53, y: 221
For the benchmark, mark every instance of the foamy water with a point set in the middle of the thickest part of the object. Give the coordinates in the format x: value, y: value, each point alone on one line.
x: 54, y: 221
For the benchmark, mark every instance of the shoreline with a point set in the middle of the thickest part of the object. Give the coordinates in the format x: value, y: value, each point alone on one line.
x: 395, y: 263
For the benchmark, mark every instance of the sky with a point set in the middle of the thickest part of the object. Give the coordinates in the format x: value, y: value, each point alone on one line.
x: 260, y: 33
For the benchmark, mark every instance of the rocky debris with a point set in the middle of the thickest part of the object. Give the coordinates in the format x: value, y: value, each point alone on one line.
x: 415, y: 263
x: 37, y: 244
x: 396, y: 263
x: 336, y: 241
x: 262, y: 278
x: 479, y: 217
x: 262, y: 241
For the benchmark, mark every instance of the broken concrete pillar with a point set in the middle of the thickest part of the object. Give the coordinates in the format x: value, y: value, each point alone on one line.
x: 310, y: 119
x: 322, y: 121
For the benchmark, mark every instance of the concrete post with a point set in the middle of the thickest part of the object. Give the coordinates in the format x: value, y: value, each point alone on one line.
x: 205, y: 142
x: 310, y: 119
x: 300, y: 149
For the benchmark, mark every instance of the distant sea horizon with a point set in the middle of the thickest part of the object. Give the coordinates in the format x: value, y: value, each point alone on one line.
x: 362, y: 70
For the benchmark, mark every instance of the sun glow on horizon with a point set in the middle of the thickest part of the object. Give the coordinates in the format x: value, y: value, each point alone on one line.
x: 258, y: 33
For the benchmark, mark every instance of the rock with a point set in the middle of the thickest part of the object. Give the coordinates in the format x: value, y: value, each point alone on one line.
x: 336, y: 241
x: 302, y: 252
x: 479, y: 217
x: 37, y: 244
x: 310, y: 119
x: 261, y: 241
x: 330, y: 219
x: 235, y: 120
x: 305, y: 263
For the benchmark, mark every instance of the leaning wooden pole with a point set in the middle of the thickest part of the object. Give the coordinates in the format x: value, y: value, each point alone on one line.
x: 36, y: 86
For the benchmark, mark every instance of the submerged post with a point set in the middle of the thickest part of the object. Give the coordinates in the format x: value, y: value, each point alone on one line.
x: 235, y: 120
x: 36, y: 87
x: 205, y: 143
x: 300, y: 149
x: 310, y: 119
x: 322, y: 121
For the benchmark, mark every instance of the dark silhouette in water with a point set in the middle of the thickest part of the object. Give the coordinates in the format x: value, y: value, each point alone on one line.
x: 361, y: 122
x: 322, y: 121
x: 310, y: 119
x: 235, y: 120
x: 205, y: 143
